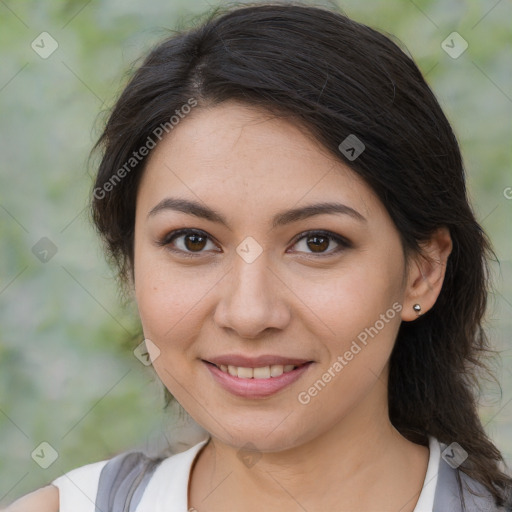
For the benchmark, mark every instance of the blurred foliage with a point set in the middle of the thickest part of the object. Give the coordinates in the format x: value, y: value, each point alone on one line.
x: 68, y: 375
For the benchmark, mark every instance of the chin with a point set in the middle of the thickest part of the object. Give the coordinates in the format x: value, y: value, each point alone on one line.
x: 270, y: 434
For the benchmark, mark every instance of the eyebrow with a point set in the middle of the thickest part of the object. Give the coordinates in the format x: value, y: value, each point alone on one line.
x: 280, y: 219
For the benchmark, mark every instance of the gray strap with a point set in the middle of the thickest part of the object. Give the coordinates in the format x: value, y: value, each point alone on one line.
x: 123, y: 480
x: 447, y: 496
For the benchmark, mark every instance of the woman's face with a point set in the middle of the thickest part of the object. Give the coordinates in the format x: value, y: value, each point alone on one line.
x: 262, y: 282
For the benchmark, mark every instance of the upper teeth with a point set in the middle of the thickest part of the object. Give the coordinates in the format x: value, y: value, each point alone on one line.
x: 263, y: 372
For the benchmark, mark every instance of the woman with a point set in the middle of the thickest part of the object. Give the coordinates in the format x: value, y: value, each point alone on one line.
x: 285, y: 196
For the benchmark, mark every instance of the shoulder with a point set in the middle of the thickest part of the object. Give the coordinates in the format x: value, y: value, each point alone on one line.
x: 78, y: 487
x: 45, y: 499
x: 74, y: 490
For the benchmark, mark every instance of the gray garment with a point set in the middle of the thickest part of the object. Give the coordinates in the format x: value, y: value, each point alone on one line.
x: 447, y: 495
x: 124, y: 478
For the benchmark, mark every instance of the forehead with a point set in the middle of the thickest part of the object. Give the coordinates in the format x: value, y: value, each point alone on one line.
x: 239, y: 156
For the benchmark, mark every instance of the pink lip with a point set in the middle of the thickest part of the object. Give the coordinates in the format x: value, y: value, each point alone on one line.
x: 254, y: 362
x: 256, y: 388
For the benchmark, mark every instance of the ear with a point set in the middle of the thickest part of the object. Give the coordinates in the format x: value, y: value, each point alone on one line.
x: 426, y: 273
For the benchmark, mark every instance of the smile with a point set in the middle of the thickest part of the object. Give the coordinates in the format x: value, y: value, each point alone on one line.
x: 259, y: 382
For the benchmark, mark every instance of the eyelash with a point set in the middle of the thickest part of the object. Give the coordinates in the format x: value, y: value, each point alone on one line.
x: 170, y: 237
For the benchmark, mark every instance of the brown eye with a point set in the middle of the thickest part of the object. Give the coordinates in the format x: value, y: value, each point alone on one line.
x: 186, y: 242
x: 194, y: 242
x: 190, y: 243
x: 317, y: 242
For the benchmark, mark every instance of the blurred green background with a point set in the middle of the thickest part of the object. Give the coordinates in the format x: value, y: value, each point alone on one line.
x: 68, y: 374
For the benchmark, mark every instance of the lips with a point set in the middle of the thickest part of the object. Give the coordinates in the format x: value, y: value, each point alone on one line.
x: 237, y: 381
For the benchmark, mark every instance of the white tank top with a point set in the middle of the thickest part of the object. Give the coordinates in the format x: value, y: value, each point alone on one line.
x: 168, y: 487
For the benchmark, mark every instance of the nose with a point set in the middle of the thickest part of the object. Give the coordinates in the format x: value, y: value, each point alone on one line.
x: 253, y: 299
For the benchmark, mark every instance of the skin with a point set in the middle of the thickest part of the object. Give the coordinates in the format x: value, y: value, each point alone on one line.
x: 289, y: 301
x: 45, y: 499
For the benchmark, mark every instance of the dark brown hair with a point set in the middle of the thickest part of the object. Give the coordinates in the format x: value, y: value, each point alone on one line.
x: 335, y: 77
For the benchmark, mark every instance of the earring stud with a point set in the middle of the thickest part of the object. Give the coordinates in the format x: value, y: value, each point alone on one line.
x: 417, y: 308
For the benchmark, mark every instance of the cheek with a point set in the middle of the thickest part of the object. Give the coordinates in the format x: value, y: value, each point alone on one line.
x: 359, y: 312
x: 164, y: 306
x: 357, y: 317
x: 351, y: 299
x: 172, y: 301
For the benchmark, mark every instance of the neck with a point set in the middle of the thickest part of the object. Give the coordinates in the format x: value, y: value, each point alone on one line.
x: 363, y: 451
